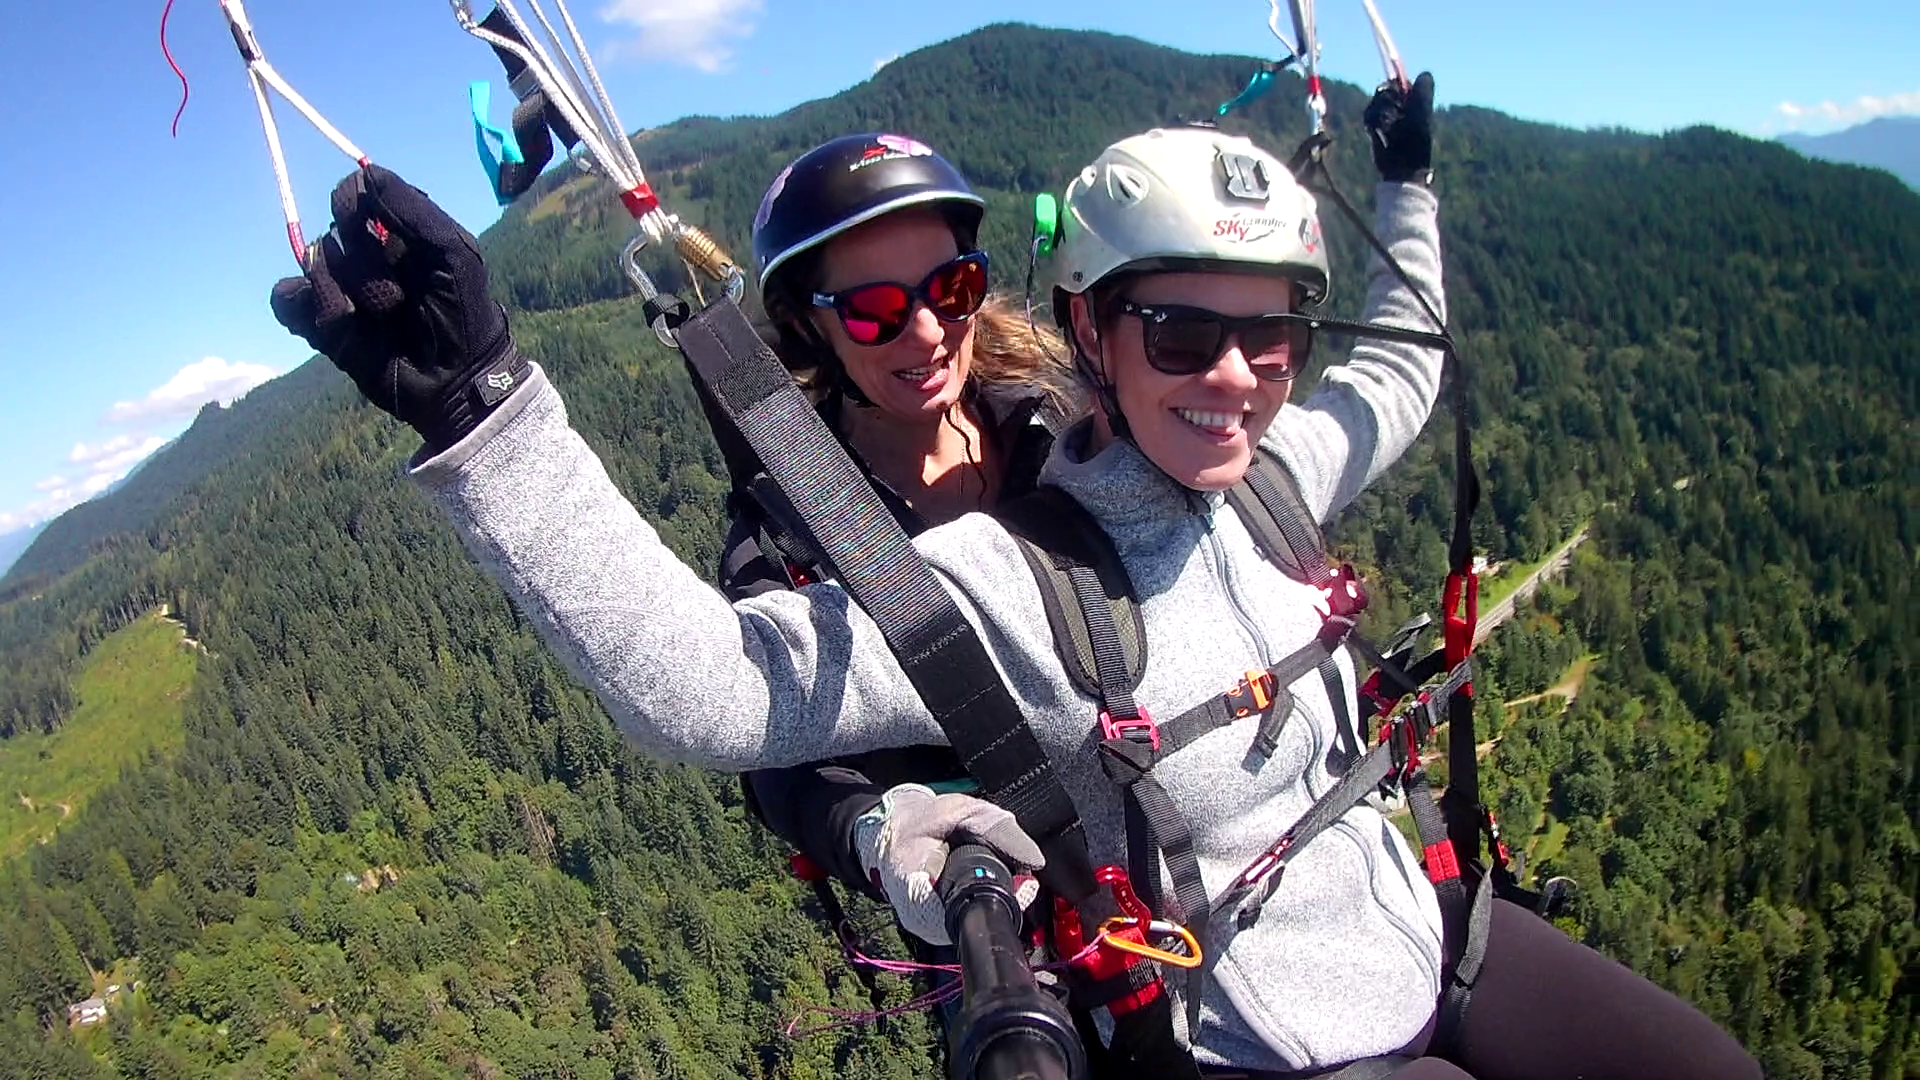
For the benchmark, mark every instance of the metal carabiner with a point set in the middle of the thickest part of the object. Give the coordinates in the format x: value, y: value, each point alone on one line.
x: 1109, y: 934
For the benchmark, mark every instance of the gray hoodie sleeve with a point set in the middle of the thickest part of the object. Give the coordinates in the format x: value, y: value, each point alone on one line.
x: 777, y: 679
x: 1368, y: 410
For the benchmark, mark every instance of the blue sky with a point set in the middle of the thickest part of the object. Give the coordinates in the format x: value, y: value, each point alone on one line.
x: 136, y: 268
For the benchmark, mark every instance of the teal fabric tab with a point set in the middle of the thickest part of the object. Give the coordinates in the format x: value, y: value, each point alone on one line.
x: 486, y: 138
x: 1257, y: 88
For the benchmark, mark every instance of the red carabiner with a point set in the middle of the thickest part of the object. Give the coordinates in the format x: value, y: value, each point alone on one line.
x: 1108, y: 962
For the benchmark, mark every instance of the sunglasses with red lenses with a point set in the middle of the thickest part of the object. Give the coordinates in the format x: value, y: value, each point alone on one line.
x: 1182, y: 340
x: 877, y: 312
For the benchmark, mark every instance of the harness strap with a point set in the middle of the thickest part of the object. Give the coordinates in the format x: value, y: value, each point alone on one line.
x: 879, y: 567
x: 1396, y: 756
x: 1283, y: 530
x: 738, y: 376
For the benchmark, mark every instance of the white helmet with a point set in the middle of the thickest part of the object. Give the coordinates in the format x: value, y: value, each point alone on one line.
x: 1184, y: 198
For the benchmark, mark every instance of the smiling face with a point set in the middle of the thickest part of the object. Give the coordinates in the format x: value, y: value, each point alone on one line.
x: 918, y: 376
x: 1201, y: 429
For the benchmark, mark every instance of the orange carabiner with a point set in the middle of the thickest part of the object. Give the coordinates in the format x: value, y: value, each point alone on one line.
x: 1109, y: 934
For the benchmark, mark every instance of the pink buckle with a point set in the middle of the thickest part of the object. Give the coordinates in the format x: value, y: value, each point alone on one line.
x: 1120, y: 729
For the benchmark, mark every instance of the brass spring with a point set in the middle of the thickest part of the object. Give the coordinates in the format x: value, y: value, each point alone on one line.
x: 704, y: 253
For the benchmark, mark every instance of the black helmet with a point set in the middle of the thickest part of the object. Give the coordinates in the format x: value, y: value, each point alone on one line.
x: 849, y: 180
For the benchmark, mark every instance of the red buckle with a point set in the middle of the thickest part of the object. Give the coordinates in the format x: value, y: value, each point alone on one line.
x: 1345, y: 598
x: 1120, y: 729
x: 1412, y: 763
x: 1372, y: 692
x: 806, y: 869
x: 1107, y: 962
x: 1070, y: 935
x: 1492, y: 828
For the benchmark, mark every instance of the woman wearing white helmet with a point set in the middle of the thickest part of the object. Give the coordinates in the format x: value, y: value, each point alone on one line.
x: 1182, y: 259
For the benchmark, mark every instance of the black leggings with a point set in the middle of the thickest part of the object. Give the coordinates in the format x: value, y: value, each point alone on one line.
x: 1546, y: 1007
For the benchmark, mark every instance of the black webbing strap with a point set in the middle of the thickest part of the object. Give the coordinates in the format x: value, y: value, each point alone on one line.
x: 879, y: 567
x: 1128, y: 749
x: 1457, y: 990
x: 1396, y: 755
x: 533, y: 117
x: 1282, y: 527
x: 1461, y: 802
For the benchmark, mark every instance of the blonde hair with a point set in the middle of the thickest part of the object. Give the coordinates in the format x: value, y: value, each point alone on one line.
x: 1010, y: 347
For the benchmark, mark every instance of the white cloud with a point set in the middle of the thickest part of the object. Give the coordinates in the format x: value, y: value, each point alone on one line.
x: 87, y: 453
x: 698, y: 33
x: 58, y: 494
x: 1833, y: 114
x: 107, y: 462
x: 180, y: 397
x: 122, y: 461
x: 884, y: 61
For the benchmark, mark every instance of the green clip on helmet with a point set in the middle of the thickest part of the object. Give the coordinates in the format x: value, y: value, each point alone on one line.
x: 1182, y: 199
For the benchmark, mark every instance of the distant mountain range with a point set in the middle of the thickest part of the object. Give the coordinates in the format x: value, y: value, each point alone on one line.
x: 1889, y: 142
x: 15, y: 544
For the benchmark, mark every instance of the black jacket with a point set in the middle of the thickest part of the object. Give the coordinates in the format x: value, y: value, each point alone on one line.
x: 813, y: 806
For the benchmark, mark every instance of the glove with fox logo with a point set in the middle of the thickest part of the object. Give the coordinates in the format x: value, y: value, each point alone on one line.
x: 395, y: 295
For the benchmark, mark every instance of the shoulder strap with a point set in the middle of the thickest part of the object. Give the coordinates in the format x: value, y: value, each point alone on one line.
x: 1271, y: 506
x: 1096, y: 622
x: 1269, y: 502
x: 938, y: 649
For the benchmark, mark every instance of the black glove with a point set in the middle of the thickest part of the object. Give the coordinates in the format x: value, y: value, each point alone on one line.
x: 396, y: 296
x: 1401, y: 125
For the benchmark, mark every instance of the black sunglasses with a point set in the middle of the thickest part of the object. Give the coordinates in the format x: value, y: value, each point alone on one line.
x: 1183, y: 340
x: 877, y: 312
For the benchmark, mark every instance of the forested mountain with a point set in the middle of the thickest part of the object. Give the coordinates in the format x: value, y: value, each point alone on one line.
x: 217, y: 435
x: 399, y: 841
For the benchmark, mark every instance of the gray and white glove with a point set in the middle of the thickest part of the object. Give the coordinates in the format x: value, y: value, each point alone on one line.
x: 903, y: 843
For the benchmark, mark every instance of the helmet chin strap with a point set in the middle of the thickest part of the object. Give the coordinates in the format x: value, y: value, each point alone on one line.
x: 1103, y: 388
x: 1108, y: 395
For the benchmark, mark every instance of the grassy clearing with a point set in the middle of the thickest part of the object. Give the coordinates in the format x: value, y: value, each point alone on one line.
x: 1548, y: 844
x: 1511, y: 576
x: 132, y: 701
x: 1567, y: 688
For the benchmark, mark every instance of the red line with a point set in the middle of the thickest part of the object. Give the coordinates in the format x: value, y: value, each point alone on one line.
x: 164, y: 51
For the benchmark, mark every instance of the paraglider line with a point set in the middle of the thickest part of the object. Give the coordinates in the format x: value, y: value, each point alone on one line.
x: 168, y: 53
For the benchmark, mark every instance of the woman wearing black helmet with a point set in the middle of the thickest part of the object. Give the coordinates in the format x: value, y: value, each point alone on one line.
x: 877, y: 298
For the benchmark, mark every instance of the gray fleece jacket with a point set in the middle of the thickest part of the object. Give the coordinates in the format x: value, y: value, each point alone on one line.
x: 1343, y: 963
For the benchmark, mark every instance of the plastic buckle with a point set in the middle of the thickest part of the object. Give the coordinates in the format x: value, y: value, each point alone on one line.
x: 1253, y: 695
x: 1124, y: 728
x: 1371, y: 692
x: 1345, y: 596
